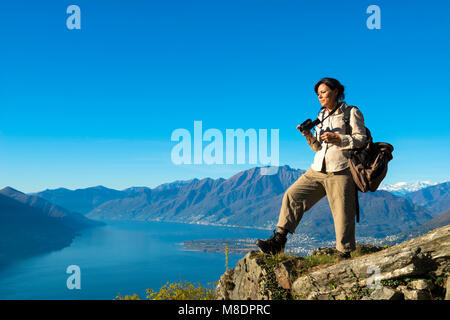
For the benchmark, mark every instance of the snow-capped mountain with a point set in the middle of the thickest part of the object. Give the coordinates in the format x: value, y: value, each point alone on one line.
x: 402, y: 188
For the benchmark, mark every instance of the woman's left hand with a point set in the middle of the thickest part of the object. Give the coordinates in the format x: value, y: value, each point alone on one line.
x: 331, y: 137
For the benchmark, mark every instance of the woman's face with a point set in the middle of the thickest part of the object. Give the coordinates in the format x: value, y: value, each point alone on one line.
x: 327, y: 97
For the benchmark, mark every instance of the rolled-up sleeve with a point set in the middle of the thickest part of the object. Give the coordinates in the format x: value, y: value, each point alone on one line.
x: 314, y: 143
x: 358, y: 137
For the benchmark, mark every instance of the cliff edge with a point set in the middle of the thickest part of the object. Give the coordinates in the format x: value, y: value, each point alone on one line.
x: 417, y: 269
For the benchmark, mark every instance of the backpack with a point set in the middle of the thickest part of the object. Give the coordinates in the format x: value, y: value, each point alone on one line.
x: 368, y: 164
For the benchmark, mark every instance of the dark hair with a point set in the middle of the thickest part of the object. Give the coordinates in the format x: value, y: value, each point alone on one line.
x: 332, y: 84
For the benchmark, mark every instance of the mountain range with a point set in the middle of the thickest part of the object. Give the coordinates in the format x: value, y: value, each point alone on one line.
x: 80, y: 200
x: 31, y: 225
x: 403, y: 188
x: 435, y: 198
x: 441, y: 220
x: 249, y: 199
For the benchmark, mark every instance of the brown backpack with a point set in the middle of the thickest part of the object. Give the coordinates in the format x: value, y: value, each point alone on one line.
x: 368, y: 164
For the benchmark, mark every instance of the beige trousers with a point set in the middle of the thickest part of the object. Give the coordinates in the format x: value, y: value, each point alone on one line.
x: 309, y: 189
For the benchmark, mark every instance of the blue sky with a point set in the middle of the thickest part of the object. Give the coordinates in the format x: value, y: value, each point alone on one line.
x: 97, y: 106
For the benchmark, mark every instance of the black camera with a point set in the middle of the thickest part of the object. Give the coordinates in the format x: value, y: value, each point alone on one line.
x: 308, y: 125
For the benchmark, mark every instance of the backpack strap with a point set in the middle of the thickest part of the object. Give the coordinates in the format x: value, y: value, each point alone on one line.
x: 348, y: 130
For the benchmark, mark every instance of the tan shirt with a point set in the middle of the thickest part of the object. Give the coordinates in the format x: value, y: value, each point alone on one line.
x: 336, y: 155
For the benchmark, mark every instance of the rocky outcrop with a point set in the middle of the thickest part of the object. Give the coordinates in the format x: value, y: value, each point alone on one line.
x: 416, y: 269
x: 447, y: 293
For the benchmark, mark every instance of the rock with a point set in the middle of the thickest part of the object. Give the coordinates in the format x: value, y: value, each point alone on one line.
x: 341, y: 296
x: 402, y: 289
x: 285, y: 271
x: 447, y: 291
x: 425, y: 256
x: 244, y: 282
x: 416, y: 294
x: 283, y: 278
x: 422, y: 284
x: 385, y: 293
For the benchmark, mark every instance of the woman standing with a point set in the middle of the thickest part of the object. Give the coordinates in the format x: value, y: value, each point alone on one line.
x: 328, y: 175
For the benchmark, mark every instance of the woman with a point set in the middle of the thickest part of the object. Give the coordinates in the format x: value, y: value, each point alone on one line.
x: 328, y: 175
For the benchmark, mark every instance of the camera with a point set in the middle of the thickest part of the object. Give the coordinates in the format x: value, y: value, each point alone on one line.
x: 308, y: 125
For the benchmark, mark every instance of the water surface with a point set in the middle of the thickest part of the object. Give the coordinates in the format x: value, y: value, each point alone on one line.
x: 122, y: 257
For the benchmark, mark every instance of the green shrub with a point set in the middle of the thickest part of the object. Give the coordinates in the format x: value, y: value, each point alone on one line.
x: 183, y: 290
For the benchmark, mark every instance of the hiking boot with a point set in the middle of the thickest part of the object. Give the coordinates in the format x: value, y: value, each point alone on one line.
x: 344, y: 255
x: 273, y: 245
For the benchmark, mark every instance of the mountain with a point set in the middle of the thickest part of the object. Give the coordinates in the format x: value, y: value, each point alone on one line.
x: 30, y: 225
x: 80, y: 200
x: 441, y: 220
x: 232, y: 201
x: 73, y: 220
x: 253, y: 200
x: 403, y: 188
x: 26, y: 231
x: 434, y: 198
x: 176, y: 184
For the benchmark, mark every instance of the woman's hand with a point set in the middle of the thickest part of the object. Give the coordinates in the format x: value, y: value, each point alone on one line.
x: 331, y: 137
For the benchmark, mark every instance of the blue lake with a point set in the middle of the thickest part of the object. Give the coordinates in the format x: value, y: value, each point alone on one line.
x: 122, y: 257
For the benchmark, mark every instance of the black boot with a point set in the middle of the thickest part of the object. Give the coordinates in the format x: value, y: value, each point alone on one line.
x: 273, y: 245
x: 344, y: 255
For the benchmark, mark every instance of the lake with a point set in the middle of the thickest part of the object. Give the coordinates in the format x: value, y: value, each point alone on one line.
x: 125, y: 258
